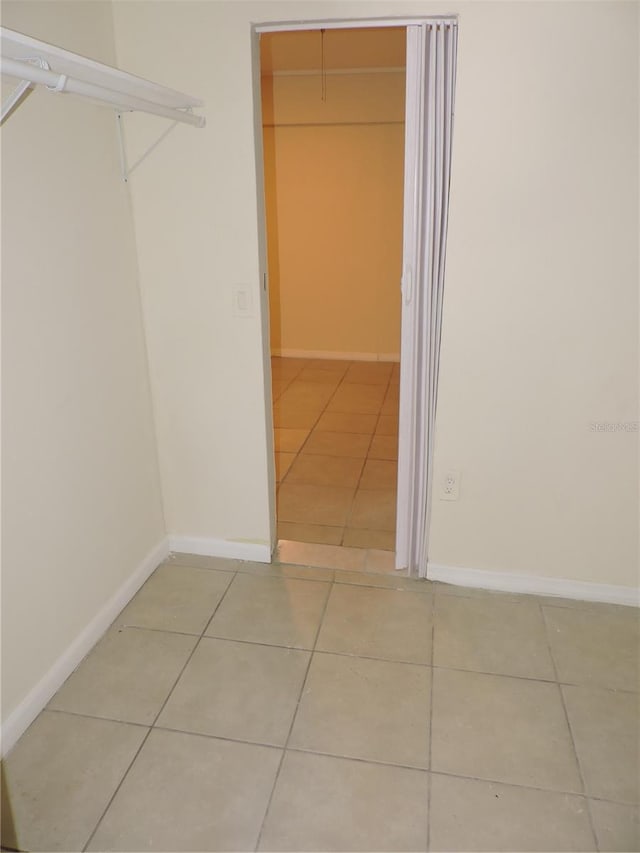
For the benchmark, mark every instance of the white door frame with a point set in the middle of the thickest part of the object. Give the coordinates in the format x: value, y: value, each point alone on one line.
x: 415, y: 72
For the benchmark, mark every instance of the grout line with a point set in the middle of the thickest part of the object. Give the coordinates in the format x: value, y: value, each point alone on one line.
x: 289, y: 382
x: 451, y: 775
x: 157, y: 630
x: 366, y: 459
x: 315, y: 424
x: 430, y: 724
x: 95, y: 717
x: 146, y: 737
x: 301, y: 448
x: 226, y: 738
x: 256, y: 643
x: 293, y: 719
x: 376, y: 761
x: 484, y: 593
x: 337, y: 653
x: 566, y: 716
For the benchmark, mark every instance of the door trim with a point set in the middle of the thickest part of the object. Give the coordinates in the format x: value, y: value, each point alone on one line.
x: 407, y: 512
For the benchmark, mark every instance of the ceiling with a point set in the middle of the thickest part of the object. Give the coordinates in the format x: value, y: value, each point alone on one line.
x: 381, y: 47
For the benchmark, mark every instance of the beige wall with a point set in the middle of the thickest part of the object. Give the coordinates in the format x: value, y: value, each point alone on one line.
x: 333, y: 187
x: 81, y: 497
x: 540, y: 324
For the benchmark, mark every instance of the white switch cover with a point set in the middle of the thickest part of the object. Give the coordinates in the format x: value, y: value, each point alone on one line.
x: 242, y: 301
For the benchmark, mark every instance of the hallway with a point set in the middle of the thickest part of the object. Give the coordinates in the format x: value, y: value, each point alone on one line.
x: 336, y: 442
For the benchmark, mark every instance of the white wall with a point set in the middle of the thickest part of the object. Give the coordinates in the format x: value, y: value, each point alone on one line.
x: 540, y: 326
x: 333, y: 189
x: 81, y: 498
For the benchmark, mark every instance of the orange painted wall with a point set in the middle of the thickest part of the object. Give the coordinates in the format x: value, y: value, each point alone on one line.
x: 334, y: 187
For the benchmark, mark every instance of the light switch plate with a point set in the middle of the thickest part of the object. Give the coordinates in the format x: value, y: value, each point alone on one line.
x: 242, y: 300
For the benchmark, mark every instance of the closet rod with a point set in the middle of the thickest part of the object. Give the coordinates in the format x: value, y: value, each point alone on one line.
x: 63, y: 83
x: 332, y: 123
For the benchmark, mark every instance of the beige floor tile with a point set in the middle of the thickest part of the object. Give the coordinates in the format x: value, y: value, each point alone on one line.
x: 467, y: 814
x: 380, y: 561
x: 176, y: 598
x: 361, y: 398
x: 347, y: 422
x: 617, y: 826
x: 394, y: 580
x: 318, y: 533
x: 384, y: 447
x: 324, y: 375
x: 593, y: 606
x: 325, y: 470
x: 447, y: 589
x: 291, y: 366
x: 337, y: 444
x: 334, y: 804
x: 600, y: 649
x: 374, y: 509
x: 379, y: 474
x: 186, y: 792
x: 60, y: 777
x: 387, y: 425
x: 287, y: 416
x: 289, y: 440
x: 278, y: 570
x: 283, y: 463
x: 384, y: 540
x: 127, y: 676
x: 330, y: 364
x: 241, y: 691
x: 370, y: 709
x: 369, y: 373
x: 307, y: 504
x: 390, y: 407
x: 198, y: 561
x: 504, y: 729
x: 331, y: 556
x: 378, y: 623
x: 491, y: 635
x: 606, y: 731
x: 278, y: 387
x: 280, y: 612
x: 308, y: 394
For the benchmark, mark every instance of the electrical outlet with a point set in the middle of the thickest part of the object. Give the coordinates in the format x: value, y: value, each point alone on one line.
x: 450, y: 486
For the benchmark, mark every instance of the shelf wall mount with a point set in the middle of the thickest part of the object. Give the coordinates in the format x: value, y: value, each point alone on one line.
x: 36, y: 63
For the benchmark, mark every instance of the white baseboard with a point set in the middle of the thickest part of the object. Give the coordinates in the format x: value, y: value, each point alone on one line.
x: 26, y: 712
x: 336, y: 356
x: 534, y: 585
x: 258, y: 552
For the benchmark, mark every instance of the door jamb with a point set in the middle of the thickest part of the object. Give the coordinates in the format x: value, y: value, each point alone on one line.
x: 407, y: 395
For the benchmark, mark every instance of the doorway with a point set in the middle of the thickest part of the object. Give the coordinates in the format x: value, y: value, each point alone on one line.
x: 431, y: 62
x: 333, y: 137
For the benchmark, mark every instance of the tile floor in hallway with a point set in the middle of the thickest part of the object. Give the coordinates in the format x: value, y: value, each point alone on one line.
x: 336, y: 440
x: 239, y: 706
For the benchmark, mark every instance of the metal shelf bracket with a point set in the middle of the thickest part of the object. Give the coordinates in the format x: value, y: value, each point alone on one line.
x: 21, y: 90
x: 125, y: 168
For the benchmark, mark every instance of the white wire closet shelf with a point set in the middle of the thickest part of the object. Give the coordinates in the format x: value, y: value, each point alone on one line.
x: 35, y: 62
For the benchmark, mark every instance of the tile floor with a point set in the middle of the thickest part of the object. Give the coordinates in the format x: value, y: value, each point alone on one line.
x: 336, y: 439
x: 238, y: 706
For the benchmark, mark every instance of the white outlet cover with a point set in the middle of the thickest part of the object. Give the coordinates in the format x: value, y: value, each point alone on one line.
x: 450, y: 486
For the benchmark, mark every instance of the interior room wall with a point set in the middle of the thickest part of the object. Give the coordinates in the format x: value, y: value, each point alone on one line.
x: 540, y: 315
x: 333, y: 188
x: 80, y: 483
